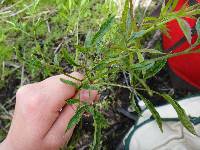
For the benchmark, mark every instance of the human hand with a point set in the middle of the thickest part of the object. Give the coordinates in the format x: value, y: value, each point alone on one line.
x: 38, y: 122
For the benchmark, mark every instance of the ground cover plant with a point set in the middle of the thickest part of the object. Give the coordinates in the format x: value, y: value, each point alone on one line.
x: 42, y: 38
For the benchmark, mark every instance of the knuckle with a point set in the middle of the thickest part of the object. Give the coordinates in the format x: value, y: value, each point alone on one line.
x: 28, y: 97
x: 21, y: 92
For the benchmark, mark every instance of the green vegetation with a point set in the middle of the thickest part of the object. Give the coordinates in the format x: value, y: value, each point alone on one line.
x: 41, y: 38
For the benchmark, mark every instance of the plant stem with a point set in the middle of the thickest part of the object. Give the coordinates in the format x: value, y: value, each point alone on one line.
x: 77, y: 42
x: 72, y: 77
x: 116, y: 85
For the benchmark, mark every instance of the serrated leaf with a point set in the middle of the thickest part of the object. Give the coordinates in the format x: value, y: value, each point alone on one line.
x: 89, y: 87
x: 153, y: 111
x: 185, y: 27
x: 154, y: 69
x: 103, y: 29
x: 68, y: 82
x: 181, y: 113
x: 72, y: 101
x: 76, y: 118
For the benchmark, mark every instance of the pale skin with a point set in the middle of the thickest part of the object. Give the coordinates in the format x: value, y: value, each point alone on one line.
x: 41, y: 114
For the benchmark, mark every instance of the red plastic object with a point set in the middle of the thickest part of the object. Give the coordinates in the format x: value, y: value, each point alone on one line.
x: 187, y: 66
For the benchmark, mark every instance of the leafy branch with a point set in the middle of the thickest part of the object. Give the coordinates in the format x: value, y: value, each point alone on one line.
x: 118, y: 47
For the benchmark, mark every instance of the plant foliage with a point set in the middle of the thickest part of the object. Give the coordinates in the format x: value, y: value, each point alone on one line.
x: 42, y: 41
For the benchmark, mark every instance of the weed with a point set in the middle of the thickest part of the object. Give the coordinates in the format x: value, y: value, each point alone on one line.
x: 45, y: 37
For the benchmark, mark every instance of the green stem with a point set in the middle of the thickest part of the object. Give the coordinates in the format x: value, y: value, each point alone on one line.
x: 77, y: 42
x: 116, y: 85
x: 66, y: 74
x: 188, y: 51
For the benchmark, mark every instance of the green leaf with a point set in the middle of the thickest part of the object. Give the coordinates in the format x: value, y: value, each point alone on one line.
x: 2, y: 134
x: 68, y: 82
x: 170, y: 6
x: 150, y: 19
x: 72, y: 101
x: 145, y: 65
x: 174, y: 4
x: 88, y: 40
x: 185, y: 27
x: 83, y: 2
x: 165, y: 7
x: 105, y: 63
x: 99, y: 123
x: 134, y: 105
x: 140, y: 57
x: 151, y: 51
x: 105, y: 27
x: 143, y: 83
x: 153, y: 111
x: 70, y: 60
x: 77, y: 117
x: 124, y: 15
x: 136, y: 35
x: 89, y: 87
x: 181, y: 113
x: 198, y: 26
x: 155, y: 69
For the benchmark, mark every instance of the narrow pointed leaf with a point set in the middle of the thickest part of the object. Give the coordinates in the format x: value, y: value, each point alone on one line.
x: 89, y: 87
x: 174, y: 4
x: 103, y: 29
x: 155, y: 69
x: 198, y: 26
x: 72, y: 101
x: 166, y: 7
x: 68, y: 82
x: 153, y: 111
x: 185, y: 27
x: 124, y: 15
x: 136, y: 35
x: 88, y: 40
x: 76, y: 118
x: 181, y: 113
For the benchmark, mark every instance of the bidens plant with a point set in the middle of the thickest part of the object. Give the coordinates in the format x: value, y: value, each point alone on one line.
x: 118, y: 47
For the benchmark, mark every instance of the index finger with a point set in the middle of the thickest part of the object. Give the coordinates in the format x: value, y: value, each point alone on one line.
x: 56, y: 92
x: 42, y: 101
